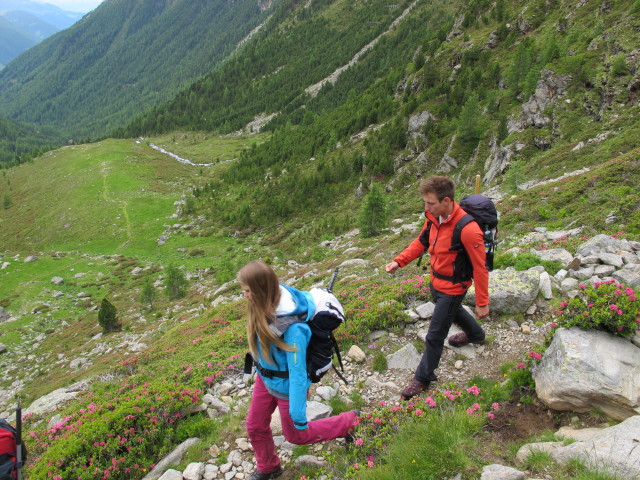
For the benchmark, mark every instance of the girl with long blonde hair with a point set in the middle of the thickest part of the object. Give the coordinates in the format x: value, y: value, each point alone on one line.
x: 278, y: 338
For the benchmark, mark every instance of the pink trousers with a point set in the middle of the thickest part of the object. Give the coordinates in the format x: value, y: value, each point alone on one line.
x: 263, y: 404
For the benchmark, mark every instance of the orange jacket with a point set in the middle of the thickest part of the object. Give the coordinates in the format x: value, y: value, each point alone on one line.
x: 442, y: 259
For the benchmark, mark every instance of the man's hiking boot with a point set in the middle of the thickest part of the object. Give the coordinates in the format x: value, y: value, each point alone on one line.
x: 265, y: 476
x: 461, y: 339
x: 413, y: 389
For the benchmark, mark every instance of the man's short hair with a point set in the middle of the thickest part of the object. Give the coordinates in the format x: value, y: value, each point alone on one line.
x: 441, y: 186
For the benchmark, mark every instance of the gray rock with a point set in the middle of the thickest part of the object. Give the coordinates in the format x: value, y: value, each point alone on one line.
x: 210, y: 472
x: 510, y: 291
x: 413, y: 316
x: 310, y: 460
x: 194, y: 471
x: 582, y: 273
x: 425, y: 310
x: 3, y: 348
x: 405, y: 358
x: 174, y: 458
x: 50, y: 402
x: 579, y: 434
x: 610, y: 259
x: 30, y: 258
x: 603, y: 243
x: 554, y: 254
x: 500, y: 472
x: 582, y: 370
x: 57, y: 280
x: 171, y: 474
x: 615, y: 451
x: 629, y: 275
x: 568, y: 284
x: 375, y: 335
x: 326, y: 393
x: 561, y: 275
x: 216, y: 403
x: 356, y: 354
x: 630, y: 258
x: 355, y: 262
x: 546, y: 288
x: 529, y: 448
x: 604, y: 270
x: 4, y: 315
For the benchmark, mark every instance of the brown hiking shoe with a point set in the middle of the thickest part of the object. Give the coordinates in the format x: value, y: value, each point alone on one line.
x: 413, y: 389
x: 461, y: 339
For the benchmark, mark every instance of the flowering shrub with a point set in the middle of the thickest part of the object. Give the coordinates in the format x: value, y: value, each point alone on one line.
x: 116, y: 436
x: 374, y: 306
x: 374, y: 431
x: 607, y: 306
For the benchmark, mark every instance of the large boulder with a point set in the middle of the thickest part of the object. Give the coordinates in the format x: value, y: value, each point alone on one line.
x: 603, y: 244
x: 585, y: 370
x: 615, y: 451
x: 58, y: 397
x: 510, y: 291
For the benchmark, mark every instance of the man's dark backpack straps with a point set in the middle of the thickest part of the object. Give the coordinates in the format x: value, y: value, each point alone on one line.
x: 456, y: 237
x: 424, y: 240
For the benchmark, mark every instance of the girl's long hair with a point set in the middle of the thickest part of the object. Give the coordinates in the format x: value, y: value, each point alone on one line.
x: 263, y: 284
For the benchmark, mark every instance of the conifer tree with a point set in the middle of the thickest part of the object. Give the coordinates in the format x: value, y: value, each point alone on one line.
x: 469, y: 128
x: 175, y: 283
x: 373, y: 214
x: 108, y: 317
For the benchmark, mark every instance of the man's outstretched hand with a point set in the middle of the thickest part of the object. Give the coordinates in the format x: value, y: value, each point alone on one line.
x: 392, y: 267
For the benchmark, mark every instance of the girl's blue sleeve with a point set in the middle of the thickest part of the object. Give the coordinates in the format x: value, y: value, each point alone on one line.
x: 298, y: 336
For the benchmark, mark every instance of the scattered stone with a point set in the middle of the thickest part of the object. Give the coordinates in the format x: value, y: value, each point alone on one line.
x: 174, y: 458
x: 194, y: 471
x: 356, y: 354
x: 171, y: 475
x: 500, y: 472
x: 405, y: 358
x: 57, y: 280
x: 426, y: 310
x: 310, y: 460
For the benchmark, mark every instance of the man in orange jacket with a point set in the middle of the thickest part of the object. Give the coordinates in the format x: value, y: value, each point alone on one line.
x: 447, y: 293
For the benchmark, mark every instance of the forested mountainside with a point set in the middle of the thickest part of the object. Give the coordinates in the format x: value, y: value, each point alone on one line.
x: 20, y: 142
x: 13, y: 41
x: 522, y: 89
x: 121, y: 58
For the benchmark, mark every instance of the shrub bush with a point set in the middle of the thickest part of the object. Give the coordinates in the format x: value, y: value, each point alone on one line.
x: 525, y: 261
x: 607, y: 306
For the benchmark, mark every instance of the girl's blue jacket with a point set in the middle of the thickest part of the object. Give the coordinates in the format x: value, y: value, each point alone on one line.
x: 294, y: 309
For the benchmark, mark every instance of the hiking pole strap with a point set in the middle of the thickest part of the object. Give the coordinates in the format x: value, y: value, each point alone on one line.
x: 337, y: 350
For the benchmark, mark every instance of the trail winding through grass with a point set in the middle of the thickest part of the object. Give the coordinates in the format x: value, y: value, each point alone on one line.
x: 123, y: 204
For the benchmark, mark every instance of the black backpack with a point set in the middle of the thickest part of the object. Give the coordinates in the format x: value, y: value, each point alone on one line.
x: 328, y: 315
x: 479, y: 209
x: 9, y: 461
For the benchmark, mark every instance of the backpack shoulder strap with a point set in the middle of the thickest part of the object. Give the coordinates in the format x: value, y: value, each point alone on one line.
x: 456, y: 242
x: 424, y: 240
